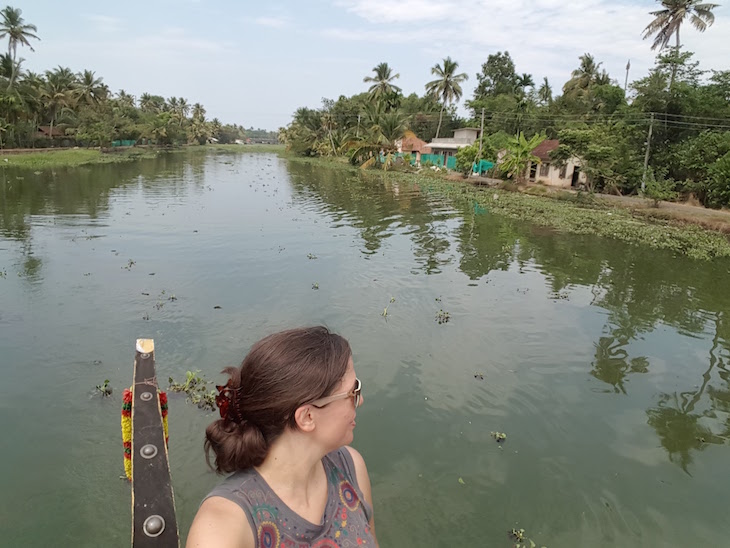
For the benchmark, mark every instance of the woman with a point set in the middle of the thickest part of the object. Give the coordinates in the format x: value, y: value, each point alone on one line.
x: 287, y: 415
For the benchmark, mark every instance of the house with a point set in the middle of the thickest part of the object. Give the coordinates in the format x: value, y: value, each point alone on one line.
x: 411, y: 144
x: 447, y: 146
x: 444, y: 149
x: 549, y: 173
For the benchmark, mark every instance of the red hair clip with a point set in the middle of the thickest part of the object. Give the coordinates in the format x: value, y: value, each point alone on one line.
x: 223, y: 399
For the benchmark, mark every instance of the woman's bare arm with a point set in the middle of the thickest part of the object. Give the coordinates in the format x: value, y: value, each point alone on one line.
x: 363, y: 481
x: 220, y: 523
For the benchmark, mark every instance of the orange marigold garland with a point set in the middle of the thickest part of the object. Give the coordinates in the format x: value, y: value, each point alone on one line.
x: 127, y: 399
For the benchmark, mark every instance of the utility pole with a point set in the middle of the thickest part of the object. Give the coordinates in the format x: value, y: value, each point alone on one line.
x: 646, y: 156
x: 481, y: 136
x: 626, y: 82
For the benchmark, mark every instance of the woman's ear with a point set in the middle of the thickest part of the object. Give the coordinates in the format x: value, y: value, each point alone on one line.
x: 304, y: 417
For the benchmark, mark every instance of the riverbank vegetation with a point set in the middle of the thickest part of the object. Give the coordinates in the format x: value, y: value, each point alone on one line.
x: 65, y: 108
x: 676, y: 117
x: 564, y: 211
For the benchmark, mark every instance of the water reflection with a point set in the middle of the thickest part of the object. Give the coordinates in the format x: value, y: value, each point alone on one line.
x: 88, y: 190
x: 636, y: 287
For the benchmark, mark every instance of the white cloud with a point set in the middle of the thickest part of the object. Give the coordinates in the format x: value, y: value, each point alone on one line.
x: 545, y: 37
x: 272, y: 22
x: 410, y: 11
x: 105, y: 23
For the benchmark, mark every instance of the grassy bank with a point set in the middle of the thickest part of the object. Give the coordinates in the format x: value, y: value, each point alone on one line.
x: 76, y: 157
x: 73, y: 158
x: 567, y: 212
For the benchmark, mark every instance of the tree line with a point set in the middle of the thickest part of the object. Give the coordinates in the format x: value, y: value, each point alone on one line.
x: 601, y: 121
x: 78, y: 107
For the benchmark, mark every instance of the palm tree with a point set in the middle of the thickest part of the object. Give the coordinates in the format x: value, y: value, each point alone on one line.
x: 381, y: 132
x: 447, y: 87
x: 126, y: 99
x: 668, y: 20
x: 519, y: 155
x: 57, y: 93
x: 198, y: 112
x: 545, y: 93
x: 215, y: 128
x: 17, y: 31
x: 587, y: 75
x: 522, y: 82
x: 90, y: 87
x: 382, y: 82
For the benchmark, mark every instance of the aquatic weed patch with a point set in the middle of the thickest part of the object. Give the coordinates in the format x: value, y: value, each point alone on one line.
x: 582, y: 217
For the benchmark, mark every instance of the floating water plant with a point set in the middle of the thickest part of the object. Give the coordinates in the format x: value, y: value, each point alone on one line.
x: 442, y: 316
x: 104, y: 389
x: 499, y: 437
x: 315, y: 285
x: 479, y: 376
x: 199, y: 391
x: 130, y: 264
x: 311, y: 256
x: 385, y: 310
x: 519, y: 537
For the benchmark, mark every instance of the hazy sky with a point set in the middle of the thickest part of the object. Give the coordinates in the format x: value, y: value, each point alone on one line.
x: 254, y: 63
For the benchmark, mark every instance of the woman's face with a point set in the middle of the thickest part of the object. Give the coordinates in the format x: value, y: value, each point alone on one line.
x: 338, y: 417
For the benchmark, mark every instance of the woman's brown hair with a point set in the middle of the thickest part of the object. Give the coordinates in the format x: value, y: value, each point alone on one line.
x: 280, y: 373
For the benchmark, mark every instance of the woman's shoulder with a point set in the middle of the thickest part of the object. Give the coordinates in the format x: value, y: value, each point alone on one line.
x: 220, y: 522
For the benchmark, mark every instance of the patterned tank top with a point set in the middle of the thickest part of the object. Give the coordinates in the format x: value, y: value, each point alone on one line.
x: 346, y: 517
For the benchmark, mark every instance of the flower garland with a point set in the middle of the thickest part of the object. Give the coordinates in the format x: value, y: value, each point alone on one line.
x: 127, y: 399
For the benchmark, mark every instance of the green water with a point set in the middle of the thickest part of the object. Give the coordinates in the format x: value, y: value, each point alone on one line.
x: 605, y: 365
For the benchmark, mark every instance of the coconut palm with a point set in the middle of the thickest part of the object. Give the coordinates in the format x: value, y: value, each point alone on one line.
x: 126, y: 99
x: 90, y: 87
x: 669, y: 19
x: 198, y: 112
x: 57, y: 94
x: 215, y: 128
x: 379, y: 134
x: 383, y: 85
x: 17, y: 31
x: 545, y: 93
x: 586, y: 76
x: 447, y: 87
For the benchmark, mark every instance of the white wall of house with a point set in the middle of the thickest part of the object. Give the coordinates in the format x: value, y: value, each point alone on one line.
x: 550, y: 174
x: 468, y: 134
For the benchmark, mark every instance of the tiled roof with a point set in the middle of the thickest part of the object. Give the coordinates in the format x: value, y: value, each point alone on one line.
x: 544, y: 149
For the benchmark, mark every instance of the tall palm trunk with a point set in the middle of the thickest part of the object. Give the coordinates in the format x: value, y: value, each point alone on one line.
x: 674, y: 66
x: 441, y: 115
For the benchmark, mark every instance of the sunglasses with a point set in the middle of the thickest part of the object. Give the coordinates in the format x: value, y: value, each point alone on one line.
x: 355, y: 393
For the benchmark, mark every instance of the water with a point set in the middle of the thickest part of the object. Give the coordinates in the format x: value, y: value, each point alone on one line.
x: 606, y: 365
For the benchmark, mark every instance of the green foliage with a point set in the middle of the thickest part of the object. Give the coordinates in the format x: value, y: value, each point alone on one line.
x: 104, y: 389
x: 718, y: 183
x: 497, y: 77
x: 199, y: 390
x: 658, y: 188
x: 465, y: 158
x: 519, y: 155
x: 604, y: 153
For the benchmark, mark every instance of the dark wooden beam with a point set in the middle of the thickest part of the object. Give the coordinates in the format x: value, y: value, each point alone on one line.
x: 153, y: 506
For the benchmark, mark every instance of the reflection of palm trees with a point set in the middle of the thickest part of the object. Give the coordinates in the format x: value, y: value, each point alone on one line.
x: 611, y: 363
x: 678, y: 425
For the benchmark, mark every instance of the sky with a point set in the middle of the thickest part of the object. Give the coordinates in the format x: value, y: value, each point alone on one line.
x: 255, y: 63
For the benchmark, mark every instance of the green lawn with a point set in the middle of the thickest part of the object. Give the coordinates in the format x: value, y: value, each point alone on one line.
x: 85, y: 156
